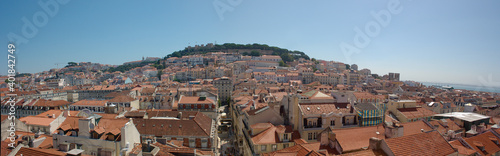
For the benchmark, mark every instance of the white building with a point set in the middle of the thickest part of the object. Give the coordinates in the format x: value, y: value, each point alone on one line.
x: 105, y: 137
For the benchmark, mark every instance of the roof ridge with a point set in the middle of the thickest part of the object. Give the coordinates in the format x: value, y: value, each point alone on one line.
x: 197, y: 123
x: 265, y: 132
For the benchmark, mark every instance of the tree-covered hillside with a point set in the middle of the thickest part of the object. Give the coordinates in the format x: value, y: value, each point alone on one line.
x: 286, y: 55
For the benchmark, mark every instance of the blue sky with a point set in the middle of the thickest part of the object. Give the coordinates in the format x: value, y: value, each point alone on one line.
x: 433, y: 41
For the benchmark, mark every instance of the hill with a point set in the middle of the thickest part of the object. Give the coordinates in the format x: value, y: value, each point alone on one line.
x: 244, y: 49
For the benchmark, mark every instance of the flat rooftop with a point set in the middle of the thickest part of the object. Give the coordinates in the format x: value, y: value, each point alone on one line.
x: 466, y: 116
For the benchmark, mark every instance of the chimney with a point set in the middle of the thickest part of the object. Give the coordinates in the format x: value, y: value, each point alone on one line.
x: 326, y: 136
x: 84, y: 126
x: 179, y: 115
x: 375, y: 143
x: 66, y: 113
x: 393, y: 130
x: 53, y: 115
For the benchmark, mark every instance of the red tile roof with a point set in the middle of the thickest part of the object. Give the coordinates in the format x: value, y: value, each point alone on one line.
x: 51, y: 103
x: 485, y: 139
x: 307, y: 109
x: 417, y: 112
x: 122, y: 99
x: 461, y: 148
x: 195, y: 100
x: 90, y: 103
x: 37, y: 120
x: 200, y: 125
x: 357, y: 138
x: 301, y: 150
x: 167, y: 150
x: 416, y: 127
x: 271, y: 134
x: 368, y: 152
x: 430, y: 143
x: 39, y: 152
x: 443, y: 127
x: 70, y: 122
x: 4, y: 117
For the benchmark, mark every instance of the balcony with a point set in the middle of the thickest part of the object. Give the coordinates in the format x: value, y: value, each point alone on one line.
x: 313, y: 127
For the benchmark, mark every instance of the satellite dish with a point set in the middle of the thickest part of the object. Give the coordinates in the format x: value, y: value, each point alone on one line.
x: 86, y: 112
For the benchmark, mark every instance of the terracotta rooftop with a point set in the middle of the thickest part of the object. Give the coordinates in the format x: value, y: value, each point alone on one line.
x: 415, y: 127
x: 4, y: 117
x: 39, y: 152
x: 357, y: 138
x: 195, y: 100
x: 70, y: 122
x: 170, y: 150
x: 45, y: 144
x: 368, y: 152
x: 430, y: 143
x: 444, y: 125
x: 200, y: 125
x: 417, y: 112
x: 487, y: 140
x: 271, y: 134
x: 51, y: 103
x: 37, y: 120
x: 314, y: 94
x: 112, y: 126
x: 303, y: 149
x: 121, y: 98
x: 307, y: 109
x: 102, y: 88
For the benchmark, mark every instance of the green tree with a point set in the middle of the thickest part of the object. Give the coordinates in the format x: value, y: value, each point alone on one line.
x: 347, y: 66
x: 254, y: 53
x: 160, y: 72
x: 176, y: 79
x: 282, y: 64
x: 286, y: 57
x: 71, y: 64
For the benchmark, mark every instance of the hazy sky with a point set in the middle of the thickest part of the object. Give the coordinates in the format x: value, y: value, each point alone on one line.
x: 437, y: 41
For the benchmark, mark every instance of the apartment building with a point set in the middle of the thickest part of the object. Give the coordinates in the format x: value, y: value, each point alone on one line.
x: 97, y: 136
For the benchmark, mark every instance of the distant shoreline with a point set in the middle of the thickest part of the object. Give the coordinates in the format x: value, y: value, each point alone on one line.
x: 465, y: 87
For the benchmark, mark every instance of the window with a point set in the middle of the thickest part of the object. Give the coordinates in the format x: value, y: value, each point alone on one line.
x: 95, y: 135
x: 332, y: 122
x: 274, y: 147
x: 111, y: 137
x: 314, y: 135
x: 263, y: 148
x: 192, y: 142
x: 309, y: 136
x: 204, y: 143
x: 285, y: 136
x: 285, y: 145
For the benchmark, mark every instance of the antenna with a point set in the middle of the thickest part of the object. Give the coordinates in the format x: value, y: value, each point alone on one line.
x: 57, y: 64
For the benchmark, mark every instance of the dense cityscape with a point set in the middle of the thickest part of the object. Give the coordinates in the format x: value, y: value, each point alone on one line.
x: 240, y: 99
